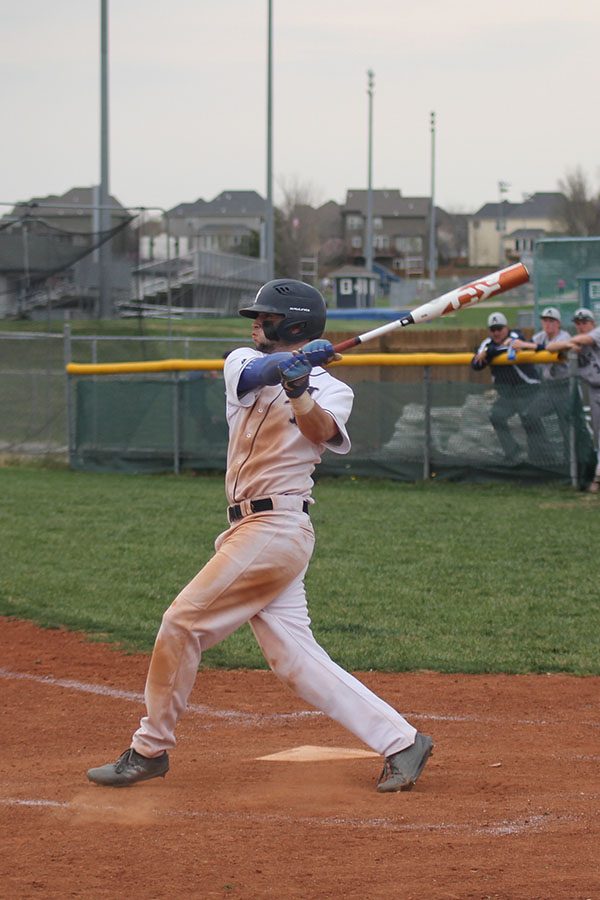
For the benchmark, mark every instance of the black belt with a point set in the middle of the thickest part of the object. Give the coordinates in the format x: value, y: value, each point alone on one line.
x: 235, y: 512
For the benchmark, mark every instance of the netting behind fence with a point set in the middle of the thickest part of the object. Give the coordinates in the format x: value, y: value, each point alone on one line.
x: 560, y: 264
x: 401, y: 430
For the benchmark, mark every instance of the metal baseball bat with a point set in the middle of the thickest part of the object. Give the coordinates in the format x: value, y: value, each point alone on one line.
x: 468, y: 295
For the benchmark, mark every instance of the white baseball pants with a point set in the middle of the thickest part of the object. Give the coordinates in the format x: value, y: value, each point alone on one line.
x: 257, y: 576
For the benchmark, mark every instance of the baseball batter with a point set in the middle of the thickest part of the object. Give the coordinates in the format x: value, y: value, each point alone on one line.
x: 284, y: 410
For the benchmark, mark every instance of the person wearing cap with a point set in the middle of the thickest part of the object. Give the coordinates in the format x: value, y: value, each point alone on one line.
x: 586, y: 343
x: 554, y: 395
x: 516, y: 388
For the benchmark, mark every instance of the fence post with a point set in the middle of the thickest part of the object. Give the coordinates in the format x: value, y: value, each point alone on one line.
x: 176, y: 424
x: 427, y: 423
x: 68, y: 391
x: 573, y: 387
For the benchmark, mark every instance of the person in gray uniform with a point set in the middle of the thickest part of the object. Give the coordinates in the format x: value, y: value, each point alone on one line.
x: 586, y: 343
x: 553, y: 396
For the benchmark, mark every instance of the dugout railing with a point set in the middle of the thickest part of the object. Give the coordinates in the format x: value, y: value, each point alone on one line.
x: 168, y: 415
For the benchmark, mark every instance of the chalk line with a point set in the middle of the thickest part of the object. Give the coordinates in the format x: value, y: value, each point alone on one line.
x: 503, y: 828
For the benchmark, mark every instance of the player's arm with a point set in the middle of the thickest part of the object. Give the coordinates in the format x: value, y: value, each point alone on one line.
x: 317, y: 425
x: 262, y: 371
x: 521, y: 344
x: 583, y: 340
x: 481, y: 357
x: 560, y: 346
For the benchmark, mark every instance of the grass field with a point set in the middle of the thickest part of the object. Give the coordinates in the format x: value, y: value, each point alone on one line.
x: 238, y: 327
x: 456, y: 578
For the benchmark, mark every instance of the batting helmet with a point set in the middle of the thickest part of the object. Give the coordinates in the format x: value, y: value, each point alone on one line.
x: 301, y: 305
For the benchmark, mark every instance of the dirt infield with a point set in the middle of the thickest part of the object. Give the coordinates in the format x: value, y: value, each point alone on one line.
x: 508, y: 806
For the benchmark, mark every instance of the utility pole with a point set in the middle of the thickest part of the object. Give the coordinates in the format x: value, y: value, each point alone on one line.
x: 369, y: 238
x: 104, y: 251
x: 432, y: 247
x: 270, y: 218
x: 503, y: 187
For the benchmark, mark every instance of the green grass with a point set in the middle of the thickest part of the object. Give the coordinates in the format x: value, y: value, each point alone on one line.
x: 237, y: 326
x: 455, y: 578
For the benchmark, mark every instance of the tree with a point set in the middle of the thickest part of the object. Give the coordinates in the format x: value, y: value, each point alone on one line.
x: 296, y: 230
x: 580, y: 209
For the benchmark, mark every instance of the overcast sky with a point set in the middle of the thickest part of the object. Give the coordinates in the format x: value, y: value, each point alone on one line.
x: 513, y: 85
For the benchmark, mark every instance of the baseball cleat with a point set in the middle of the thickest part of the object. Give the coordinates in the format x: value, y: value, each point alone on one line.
x: 130, y: 768
x: 401, y: 770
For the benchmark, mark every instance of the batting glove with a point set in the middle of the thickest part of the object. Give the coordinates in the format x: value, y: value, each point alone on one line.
x: 294, y: 374
x: 320, y: 352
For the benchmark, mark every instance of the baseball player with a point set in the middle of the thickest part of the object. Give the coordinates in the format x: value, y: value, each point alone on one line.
x: 586, y: 344
x: 515, y: 388
x: 284, y: 410
x: 553, y: 396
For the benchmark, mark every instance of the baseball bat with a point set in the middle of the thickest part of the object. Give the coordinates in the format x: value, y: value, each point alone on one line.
x: 459, y: 298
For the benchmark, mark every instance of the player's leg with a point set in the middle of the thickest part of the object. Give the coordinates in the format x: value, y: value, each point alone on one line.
x: 252, y: 564
x: 594, y: 399
x: 530, y: 403
x: 283, y: 632
x: 502, y: 409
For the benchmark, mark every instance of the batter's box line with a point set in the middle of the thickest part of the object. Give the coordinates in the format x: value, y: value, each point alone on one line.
x: 503, y: 828
x: 236, y: 717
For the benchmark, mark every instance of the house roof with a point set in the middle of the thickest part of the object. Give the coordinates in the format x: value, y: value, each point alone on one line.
x: 387, y: 202
x: 541, y: 205
x: 353, y: 272
x: 86, y: 196
x: 227, y: 203
x: 526, y: 233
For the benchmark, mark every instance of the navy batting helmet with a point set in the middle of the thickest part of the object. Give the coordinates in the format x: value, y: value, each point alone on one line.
x: 301, y: 305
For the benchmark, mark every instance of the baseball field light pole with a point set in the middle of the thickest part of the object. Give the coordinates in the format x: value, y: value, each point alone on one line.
x: 369, y: 237
x: 432, y: 248
x: 104, y: 251
x: 270, y: 217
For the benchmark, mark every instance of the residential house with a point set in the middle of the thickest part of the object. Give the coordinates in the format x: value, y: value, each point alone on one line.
x: 49, y: 252
x: 231, y: 223
x: 501, y: 232
x: 400, y: 230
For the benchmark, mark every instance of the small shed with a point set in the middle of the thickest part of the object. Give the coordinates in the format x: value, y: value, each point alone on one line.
x: 354, y: 286
x: 588, y: 288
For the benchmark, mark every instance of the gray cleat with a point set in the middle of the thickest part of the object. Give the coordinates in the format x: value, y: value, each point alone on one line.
x: 130, y: 768
x: 401, y: 770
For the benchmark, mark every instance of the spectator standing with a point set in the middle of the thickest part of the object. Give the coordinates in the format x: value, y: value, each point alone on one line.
x: 516, y: 388
x: 586, y: 343
x: 553, y: 396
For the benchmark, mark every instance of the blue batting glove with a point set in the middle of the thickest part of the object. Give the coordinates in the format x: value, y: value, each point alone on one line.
x: 320, y: 352
x: 294, y: 374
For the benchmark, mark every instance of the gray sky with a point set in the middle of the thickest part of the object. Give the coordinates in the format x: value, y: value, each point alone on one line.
x: 513, y: 85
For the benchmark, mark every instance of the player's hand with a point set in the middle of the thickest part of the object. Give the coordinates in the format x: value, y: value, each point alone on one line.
x: 320, y: 352
x: 294, y: 374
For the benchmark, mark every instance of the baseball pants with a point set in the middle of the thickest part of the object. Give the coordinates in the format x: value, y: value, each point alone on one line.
x: 257, y: 575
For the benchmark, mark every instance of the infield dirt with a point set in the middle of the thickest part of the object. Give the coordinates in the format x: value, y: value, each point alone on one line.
x: 507, y: 808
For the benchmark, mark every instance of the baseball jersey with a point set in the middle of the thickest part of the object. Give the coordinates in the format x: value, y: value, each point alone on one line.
x: 268, y: 454
x: 588, y: 360
x: 554, y: 371
x: 521, y: 373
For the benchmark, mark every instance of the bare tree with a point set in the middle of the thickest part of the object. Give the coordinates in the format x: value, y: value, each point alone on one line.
x: 580, y: 209
x: 296, y: 231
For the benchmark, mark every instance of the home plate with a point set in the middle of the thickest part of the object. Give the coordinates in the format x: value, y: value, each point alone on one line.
x: 307, y: 753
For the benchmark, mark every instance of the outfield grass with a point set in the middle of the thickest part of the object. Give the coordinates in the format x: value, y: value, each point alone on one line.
x: 455, y: 578
x: 237, y: 326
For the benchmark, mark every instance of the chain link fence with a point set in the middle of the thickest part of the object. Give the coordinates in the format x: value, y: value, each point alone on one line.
x: 419, y: 423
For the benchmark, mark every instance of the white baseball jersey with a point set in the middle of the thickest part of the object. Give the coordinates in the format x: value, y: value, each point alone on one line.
x: 554, y: 371
x: 268, y: 454
x: 588, y: 360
